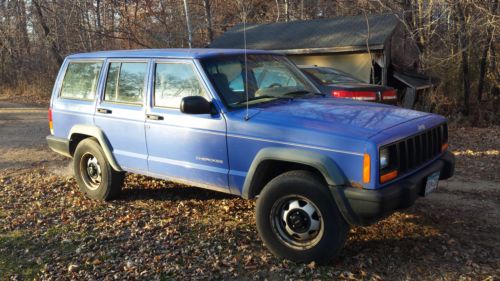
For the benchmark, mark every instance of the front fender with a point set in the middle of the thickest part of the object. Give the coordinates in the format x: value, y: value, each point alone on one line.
x: 97, y: 133
x: 324, y: 164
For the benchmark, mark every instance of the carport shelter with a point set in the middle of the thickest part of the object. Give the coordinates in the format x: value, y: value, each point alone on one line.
x: 376, y: 49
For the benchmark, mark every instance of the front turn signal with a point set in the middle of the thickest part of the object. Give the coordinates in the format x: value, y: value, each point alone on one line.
x: 366, y: 168
x: 389, y: 176
x: 444, y: 147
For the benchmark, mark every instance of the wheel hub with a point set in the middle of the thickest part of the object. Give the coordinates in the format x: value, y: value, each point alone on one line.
x: 298, y: 220
x: 91, y: 171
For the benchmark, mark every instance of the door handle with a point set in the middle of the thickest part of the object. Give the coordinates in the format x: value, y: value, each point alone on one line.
x: 154, y: 117
x: 104, y: 110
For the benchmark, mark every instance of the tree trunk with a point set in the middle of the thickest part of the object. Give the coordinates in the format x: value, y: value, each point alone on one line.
x: 287, y: 11
x: 278, y: 11
x: 208, y: 17
x: 302, y: 9
x: 22, y: 25
x: 420, y: 24
x: 482, y: 64
x: 463, y: 42
x: 484, y: 57
x: 188, y: 24
x: 98, y: 23
x: 494, y: 91
x: 53, y: 47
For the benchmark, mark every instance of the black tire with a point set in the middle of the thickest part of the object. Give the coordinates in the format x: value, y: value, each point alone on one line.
x: 107, y: 183
x: 333, y: 230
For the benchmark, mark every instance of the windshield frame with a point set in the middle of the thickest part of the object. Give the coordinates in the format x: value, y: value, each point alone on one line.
x: 303, y: 78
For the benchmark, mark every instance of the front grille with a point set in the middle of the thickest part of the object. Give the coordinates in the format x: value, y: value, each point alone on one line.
x: 418, y: 149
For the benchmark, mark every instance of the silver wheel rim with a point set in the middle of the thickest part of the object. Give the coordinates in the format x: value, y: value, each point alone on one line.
x: 297, y: 222
x: 90, y: 171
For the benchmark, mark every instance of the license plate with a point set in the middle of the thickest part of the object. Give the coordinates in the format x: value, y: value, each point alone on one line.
x: 432, y: 183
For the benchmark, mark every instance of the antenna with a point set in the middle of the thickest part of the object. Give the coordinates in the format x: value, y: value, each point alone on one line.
x: 245, y: 59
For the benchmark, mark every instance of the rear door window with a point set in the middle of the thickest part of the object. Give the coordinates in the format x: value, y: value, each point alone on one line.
x: 80, y: 80
x: 125, y: 82
x: 173, y: 81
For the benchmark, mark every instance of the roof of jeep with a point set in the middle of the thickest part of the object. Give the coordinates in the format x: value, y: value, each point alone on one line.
x: 166, y: 53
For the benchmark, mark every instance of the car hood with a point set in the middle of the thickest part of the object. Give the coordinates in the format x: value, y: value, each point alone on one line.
x: 342, y: 116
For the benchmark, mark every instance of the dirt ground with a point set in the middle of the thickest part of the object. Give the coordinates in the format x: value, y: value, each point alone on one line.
x: 158, y: 230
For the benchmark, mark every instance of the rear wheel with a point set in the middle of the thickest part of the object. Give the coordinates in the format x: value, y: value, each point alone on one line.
x: 95, y: 177
x: 298, y: 219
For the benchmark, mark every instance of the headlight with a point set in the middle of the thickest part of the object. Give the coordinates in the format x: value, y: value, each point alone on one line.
x: 384, y: 158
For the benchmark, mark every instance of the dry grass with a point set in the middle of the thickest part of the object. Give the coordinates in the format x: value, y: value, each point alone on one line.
x: 38, y: 92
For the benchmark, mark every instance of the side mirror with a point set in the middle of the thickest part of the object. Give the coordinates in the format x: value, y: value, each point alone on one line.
x: 195, y: 105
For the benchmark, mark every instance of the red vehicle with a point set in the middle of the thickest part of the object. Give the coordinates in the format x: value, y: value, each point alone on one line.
x: 339, y: 84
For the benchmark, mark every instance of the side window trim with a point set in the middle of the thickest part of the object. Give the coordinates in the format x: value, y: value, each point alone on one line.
x: 65, y: 72
x: 206, y: 91
x: 211, y: 91
x: 106, y: 69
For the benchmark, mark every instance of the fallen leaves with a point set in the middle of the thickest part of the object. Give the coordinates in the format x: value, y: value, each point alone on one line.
x: 160, y: 230
x: 477, y: 151
x: 72, y: 267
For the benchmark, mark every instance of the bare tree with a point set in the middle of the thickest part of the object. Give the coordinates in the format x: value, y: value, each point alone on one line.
x: 463, y: 43
x: 457, y: 38
x: 54, y: 49
x: 488, y: 45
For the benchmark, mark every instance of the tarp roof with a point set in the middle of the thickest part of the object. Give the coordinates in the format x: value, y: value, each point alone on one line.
x: 339, y: 34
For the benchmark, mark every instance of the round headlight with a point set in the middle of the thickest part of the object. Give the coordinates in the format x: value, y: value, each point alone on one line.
x: 384, y: 158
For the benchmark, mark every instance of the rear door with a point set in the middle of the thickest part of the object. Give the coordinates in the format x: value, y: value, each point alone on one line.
x: 120, y: 112
x: 73, y: 100
x: 185, y: 147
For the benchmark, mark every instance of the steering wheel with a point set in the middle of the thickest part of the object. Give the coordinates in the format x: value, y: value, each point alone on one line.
x: 274, y: 85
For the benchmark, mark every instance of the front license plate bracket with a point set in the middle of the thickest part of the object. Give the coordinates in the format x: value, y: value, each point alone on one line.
x: 432, y: 183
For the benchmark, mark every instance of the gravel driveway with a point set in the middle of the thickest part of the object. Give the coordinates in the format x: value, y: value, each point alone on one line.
x: 160, y: 230
x: 22, y: 137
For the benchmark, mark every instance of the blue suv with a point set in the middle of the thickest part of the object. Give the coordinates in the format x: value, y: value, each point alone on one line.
x: 251, y: 124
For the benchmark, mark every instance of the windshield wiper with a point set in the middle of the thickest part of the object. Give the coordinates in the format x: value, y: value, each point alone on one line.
x: 261, y: 97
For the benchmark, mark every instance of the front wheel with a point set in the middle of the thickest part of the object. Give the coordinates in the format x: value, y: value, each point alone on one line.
x: 298, y: 219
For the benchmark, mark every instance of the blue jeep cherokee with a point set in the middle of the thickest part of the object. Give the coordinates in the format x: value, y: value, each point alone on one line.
x: 249, y: 124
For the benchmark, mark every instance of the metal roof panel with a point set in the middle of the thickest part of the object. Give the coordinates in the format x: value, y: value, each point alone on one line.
x: 339, y: 33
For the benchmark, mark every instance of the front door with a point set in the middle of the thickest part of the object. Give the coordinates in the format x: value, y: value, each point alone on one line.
x: 120, y: 112
x: 184, y: 147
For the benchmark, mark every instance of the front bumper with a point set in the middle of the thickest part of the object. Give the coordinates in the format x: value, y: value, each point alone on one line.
x: 364, y: 206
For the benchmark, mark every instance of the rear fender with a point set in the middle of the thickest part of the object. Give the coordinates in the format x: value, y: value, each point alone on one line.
x: 97, y: 133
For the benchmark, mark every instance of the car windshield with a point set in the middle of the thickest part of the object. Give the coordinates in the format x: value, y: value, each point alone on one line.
x: 269, y: 77
x: 327, y: 76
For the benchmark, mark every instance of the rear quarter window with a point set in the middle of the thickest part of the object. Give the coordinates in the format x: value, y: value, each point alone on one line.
x: 80, y: 80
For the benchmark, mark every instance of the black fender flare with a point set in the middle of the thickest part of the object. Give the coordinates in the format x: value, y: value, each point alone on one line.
x: 93, y: 131
x: 331, y: 172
